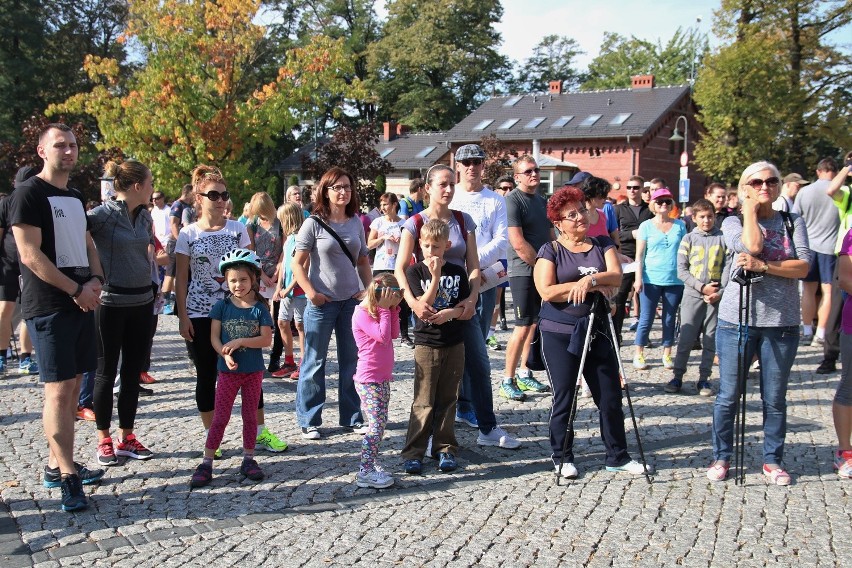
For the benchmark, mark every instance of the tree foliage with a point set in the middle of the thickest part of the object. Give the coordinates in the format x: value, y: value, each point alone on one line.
x: 354, y: 150
x: 197, y: 98
x: 777, y: 89
x: 437, y: 61
x: 621, y: 58
x: 499, y: 160
x: 552, y: 59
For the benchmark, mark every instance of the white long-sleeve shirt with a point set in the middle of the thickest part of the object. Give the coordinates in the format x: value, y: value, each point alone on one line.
x: 488, y: 210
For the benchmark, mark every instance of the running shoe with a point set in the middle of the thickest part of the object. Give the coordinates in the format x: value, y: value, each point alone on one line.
x: 358, y: 428
x: 413, y: 467
x: 673, y: 386
x: 311, y: 433
x: 73, y: 497
x: 106, y: 453
x: 498, y: 437
x: 295, y: 375
x: 528, y: 383
x: 405, y: 340
x: 718, y: 471
x: 639, y: 362
x: 53, y: 477
x: 375, y: 479
x: 817, y: 341
x: 668, y: 362
x: 503, y: 325
x: 510, y: 391
x: 131, y: 447
x: 270, y: 442
x: 284, y: 371
x: 777, y: 476
x: 447, y: 462
x: 633, y: 326
x: 169, y: 309
x: 146, y: 379
x: 843, y: 463
x: 144, y: 391
x: 217, y: 455
x: 569, y: 470
x: 203, y: 476
x: 251, y: 470
x: 632, y: 467
x: 85, y: 413
x: 28, y: 366
x: 468, y: 417
x: 703, y: 387
x: 492, y: 343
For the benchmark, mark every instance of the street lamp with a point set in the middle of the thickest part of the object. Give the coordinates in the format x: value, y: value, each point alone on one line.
x: 683, y: 185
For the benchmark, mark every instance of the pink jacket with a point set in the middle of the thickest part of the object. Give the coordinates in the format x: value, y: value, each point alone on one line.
x: 374, y: 339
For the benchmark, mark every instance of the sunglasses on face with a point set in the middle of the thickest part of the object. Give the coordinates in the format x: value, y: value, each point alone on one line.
x: 530, y: 171
x: 507, y: 187
x: 646, y: 191
x: 216, y: 196
x: 634, y: 187
x: 666, y: 202
x: 471, y: 162
x: 758, y: 183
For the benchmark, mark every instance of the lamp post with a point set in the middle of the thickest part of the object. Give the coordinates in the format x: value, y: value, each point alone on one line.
x: 683, y: 185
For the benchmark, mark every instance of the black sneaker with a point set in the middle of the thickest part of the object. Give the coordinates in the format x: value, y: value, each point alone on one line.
x: 407, y: 341
x: 251, y: 470
x: 826, y: 367
x: 145, y: 391
x: 203, y: 476
x: 674, y: 386
x: 413, y: 467
x: 53, y: 477
x: 447, y: 462
x: 73, y: 498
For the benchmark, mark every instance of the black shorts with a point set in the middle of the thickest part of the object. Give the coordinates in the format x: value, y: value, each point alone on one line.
x: 526, y: 299
x: 65, y: 344
x: 10, y: 289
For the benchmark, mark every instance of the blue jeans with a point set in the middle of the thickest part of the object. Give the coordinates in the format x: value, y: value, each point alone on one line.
x: 484, y: 310
x: 650, y: 297
x: 776, y: 347
x: 319, y: 322
x: 87, y: 390
x: 477, y: 368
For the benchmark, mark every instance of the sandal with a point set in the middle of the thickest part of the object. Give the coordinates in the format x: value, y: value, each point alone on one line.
x: 778, y: 476
x: 718, y: 471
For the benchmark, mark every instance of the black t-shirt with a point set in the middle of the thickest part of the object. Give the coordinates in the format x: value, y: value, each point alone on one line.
x: 8, y: 251
x: 61, y: 216
x: 629, y: 218
x: 452, y: 289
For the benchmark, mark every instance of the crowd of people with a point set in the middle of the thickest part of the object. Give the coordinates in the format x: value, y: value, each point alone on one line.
x: 428, y: 271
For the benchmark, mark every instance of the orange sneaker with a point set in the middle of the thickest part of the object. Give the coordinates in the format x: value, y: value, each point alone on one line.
x: 84, y: 413
x: 146, y: 379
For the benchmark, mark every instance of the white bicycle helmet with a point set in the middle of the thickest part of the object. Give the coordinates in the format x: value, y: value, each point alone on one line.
x: 239, y: 256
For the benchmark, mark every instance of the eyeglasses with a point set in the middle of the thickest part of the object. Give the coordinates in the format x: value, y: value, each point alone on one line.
x: 634, y: 187
x: 507, y: 187
x: 530, y: 171
x: 758, y: 183
x: 666, y: 202
x: 471, y: 162
x: 341, y: 188
x: 157, y: 197
x: 216, y: 196
x: 576, y: 214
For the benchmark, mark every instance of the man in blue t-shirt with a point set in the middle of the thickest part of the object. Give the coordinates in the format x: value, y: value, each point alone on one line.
x: 413, y: 204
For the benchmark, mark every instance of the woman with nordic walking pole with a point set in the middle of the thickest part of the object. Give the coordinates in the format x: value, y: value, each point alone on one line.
x: 758, y: 314
x: 568, y: 274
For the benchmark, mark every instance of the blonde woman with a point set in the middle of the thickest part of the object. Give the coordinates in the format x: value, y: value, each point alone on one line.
x: 291, y: 296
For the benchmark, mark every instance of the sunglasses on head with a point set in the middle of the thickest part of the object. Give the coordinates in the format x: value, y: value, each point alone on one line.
x: 471, y: 162
x: 667, y: 202
x: 758, y: 183
x: 216, y: 196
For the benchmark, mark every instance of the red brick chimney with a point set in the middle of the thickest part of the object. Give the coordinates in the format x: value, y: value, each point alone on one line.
x: 389, y: 130
x: 642, y: 82
x: 555, y: 87
x: 402, y: 129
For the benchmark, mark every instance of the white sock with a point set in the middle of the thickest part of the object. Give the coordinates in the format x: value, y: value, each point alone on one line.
x: 508, y: 379
x: 808, y: 329
x: 820, y: 332
x: 260, y: 428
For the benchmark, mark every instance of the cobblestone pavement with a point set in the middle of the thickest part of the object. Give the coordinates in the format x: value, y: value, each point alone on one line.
x: 501, y: 508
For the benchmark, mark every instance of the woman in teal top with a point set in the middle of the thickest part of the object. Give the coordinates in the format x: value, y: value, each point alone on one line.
x: 656, y: 275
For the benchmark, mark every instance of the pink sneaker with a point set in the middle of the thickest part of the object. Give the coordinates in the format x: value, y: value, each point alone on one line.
x: 843, y: 463
x: 718, y: 471
x: 777, y: 476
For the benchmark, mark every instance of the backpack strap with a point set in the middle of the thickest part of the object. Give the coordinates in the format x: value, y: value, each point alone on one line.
x: 418, y: 224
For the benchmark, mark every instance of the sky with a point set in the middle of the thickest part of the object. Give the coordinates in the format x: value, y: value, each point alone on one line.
x: 525, y: 22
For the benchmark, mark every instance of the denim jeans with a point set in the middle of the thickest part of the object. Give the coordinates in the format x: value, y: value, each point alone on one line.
x: 650, y: 297
x: 777, y: 347
x: 87, y: 390
x: 319, y: 322
x: 484, y: 310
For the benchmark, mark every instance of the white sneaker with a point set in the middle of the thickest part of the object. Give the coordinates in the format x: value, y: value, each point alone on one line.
x: 639, y: 363
x: 359, y: 428
x: 311, y: 433
x: 498, y: 437
x: 377, y: 479
x: 568, y: 470
x: 632, y: 467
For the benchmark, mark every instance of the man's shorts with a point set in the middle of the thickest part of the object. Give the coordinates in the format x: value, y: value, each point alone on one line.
x: 526, y: 299
x: 171, y: 268
x: 291, y: 308
x: 65, y: 344
x: 9, y: 290
x: 822, y: 268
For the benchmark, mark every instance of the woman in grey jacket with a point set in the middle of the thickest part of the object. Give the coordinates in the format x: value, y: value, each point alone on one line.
x: 123, y: 232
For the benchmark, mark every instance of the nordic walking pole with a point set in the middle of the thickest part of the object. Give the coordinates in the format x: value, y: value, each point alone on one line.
x: 742, y: 374
x: 626, y: 387
x: 570, y: 431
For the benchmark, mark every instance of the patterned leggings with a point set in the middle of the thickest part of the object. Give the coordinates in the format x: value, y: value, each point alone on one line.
x: 226, y: 393
x: 374, y: 404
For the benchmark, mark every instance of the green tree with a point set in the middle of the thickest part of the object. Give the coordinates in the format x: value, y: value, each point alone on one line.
x: 621, y: 58
x: 551, y: 60
x: 197, y: 99
x: 437, y: 61
x: 777, y: 89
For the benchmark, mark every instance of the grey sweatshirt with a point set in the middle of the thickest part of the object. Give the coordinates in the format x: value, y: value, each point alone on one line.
x: 700, y: 259
x: 123, y: 251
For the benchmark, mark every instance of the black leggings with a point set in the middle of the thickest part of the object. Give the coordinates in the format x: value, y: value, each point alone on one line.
x: 122, y: 331
x: 205, y: 359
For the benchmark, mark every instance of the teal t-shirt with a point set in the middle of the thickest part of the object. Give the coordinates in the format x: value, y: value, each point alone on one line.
x: 238, y: 323
x: 660, y: 263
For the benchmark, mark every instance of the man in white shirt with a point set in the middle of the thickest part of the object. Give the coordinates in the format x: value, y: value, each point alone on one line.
x: 792, y: 184
x: 160, y: 214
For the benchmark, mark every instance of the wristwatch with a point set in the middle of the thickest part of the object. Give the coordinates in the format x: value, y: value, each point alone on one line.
x: 594, y: 281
